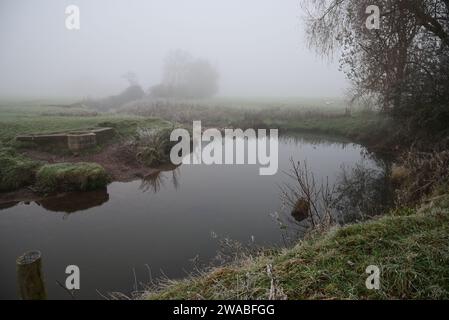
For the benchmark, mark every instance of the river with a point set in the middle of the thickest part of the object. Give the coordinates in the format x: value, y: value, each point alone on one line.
x: 139, y: 230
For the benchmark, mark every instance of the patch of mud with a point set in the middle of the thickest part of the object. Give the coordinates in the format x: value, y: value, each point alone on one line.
x: 120, y: 166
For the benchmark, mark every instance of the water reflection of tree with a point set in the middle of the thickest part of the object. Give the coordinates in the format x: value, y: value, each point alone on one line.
x: 313, y: 139
x: 360, y: 192
x: 363, y: 192
x: 307, y: 203
x: 155, y: 181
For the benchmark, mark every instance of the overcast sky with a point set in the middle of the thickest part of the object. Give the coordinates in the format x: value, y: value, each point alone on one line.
x: 258, y: 46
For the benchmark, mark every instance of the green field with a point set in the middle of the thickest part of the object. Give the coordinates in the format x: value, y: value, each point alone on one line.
x: 41, y: 116
x: 25, y: 118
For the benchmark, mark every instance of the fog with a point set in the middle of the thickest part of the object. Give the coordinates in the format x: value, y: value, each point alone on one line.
x: 258, y: 46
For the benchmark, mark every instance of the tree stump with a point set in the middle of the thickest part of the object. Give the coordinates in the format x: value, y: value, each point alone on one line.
x: 29, y: 276
x: 301, y: 211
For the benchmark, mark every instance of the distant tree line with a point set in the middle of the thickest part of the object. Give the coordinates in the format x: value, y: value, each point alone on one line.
x: 186, y: 77
x: 403, y: 65
x: 132, y: 93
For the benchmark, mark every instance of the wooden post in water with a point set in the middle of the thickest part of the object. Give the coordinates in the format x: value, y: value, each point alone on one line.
x: 29, y: 276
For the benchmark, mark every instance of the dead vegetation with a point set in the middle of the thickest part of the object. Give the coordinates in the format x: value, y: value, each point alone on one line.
x: 215, y: 113
x: 310, y: 206
x: 148, y: 147
x: 422, y: 174
x: 311, y: 203
x: 409, y: 246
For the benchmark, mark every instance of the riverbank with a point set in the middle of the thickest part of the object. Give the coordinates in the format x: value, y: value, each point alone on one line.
x: 367, y: 128
x: 409, y: 245
x: 321, y: 116
x: 94, y: 167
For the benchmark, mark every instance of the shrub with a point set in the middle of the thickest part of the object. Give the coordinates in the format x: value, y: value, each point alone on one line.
x: 153, y: 146
x: 71, y: 177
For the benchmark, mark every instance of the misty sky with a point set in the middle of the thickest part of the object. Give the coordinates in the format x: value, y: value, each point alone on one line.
x: 258, y: 46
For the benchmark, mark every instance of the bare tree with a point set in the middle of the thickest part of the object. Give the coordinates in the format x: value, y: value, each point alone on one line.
x: 403, y: 64
x: 308, y: 200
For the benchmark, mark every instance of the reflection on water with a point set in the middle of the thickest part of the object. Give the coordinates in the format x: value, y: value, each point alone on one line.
x: 9, y: 204
x: 154, y: 181
x: 69, y: 202
x: 160, y: 221
x: 359, y: 192
x: 74, y: 201
x: 363, y: 192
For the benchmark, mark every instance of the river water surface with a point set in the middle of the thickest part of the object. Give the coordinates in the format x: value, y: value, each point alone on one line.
x: 118, y: 235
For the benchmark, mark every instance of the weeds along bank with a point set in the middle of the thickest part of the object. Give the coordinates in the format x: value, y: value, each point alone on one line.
x: 325, y: 116
x: 282, y: 115
x: 379, y: 132
x: 410, y: 246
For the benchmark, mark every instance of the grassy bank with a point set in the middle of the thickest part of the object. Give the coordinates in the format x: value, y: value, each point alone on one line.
x: 410, y: 246
x: 38, y: 117
x: 358, y: 125
x: 17, y: 171
x: 71, y: 177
